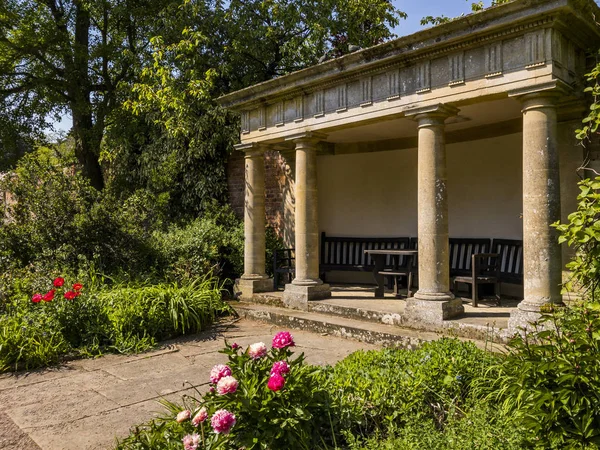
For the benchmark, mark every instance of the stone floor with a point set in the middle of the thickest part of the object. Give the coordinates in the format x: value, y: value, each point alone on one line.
x: 360, y: 296
x: 87, y: 404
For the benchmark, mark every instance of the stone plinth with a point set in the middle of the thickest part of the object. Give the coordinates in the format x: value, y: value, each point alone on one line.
x: 297, y: 296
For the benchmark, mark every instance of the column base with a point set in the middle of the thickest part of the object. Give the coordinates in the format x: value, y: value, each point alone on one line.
x: 527, y: 314
x: 432, y: 308
x: 248, y: 287
x: 297, y: 296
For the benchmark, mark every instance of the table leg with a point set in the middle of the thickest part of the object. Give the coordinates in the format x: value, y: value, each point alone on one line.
x: 379, y: 261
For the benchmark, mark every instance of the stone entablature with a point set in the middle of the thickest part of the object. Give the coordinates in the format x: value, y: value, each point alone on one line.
x: 513, y: 48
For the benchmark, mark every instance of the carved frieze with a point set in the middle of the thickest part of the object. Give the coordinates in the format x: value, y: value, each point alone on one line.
x: 423, y: 81
x: 456, y: 64
x: 342, y: 97
x: 535, y: 48
x: 493, y: 60
x: 299, y: 106
x: 366, y: 85
x: 393, y: 84
x: 319, y: 104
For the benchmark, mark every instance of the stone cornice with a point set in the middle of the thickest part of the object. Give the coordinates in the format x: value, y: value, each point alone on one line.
x: 474, y: 30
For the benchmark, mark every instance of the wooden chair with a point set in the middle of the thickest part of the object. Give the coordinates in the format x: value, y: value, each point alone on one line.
x: 283, y: 266
x: 485, y: 270
x: 401, y: 268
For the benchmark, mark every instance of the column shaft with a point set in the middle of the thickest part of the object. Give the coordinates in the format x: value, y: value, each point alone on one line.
x: 434, y: 271
x: 307, y: 225
x: 254, y: 216
x: 306, y: 285
x: 541, y: 201
x: 542, y: 263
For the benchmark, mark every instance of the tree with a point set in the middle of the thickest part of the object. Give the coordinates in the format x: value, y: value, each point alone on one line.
x: 475, y: 7
x: 178, y: 140
x: 71, y: 55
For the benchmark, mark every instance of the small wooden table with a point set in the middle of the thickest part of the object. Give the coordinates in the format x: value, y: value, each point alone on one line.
x: 379, y: 257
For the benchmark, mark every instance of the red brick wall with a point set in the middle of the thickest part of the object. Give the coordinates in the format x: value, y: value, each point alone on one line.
x: 276, y: 172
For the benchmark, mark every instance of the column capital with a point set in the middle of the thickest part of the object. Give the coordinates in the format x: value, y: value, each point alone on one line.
x: 252, y: 149
x: 433, y: 114
x: 307, y: 137
x: 542, y: 95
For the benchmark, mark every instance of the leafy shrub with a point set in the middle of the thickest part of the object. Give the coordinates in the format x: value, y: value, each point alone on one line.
x: 143, y: 314
x: 385, y: 389
x: 582, y: 232
x: 213, y: 243
x: 277, y: 402
x: 123, y: 318
x: 550, y: 381
x: 483, y: 427
x: 58, y: 220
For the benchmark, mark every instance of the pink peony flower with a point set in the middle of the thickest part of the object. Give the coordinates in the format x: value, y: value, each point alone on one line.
x: 235, y: 346
x: 184, y: 415
x: 283, y: 339
x: 276, y: 382
x: 227, y: 385
x: 257, y: 350
x: 200, y: 417
x: 36, y: 298
x: 280, y: 368
x: 222, y: 421
x: 191, y: 441
x: 211, y: 389
x: 219, y: 371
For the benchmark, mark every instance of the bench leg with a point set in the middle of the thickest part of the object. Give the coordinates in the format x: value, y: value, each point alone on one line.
x: 409, y: 284
x: 475, y: 293
x: 497, y: 292
x: 275, y: 280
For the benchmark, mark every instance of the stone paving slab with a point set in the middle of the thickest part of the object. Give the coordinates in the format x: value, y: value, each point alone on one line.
x: 87, y: 404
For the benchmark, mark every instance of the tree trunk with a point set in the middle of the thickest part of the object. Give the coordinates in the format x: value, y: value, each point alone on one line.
x: 87, y: 144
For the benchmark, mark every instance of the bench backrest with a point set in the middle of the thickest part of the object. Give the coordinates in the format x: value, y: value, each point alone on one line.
x: 511, y: 259
x: 348, y: 252
x: 461, y: 251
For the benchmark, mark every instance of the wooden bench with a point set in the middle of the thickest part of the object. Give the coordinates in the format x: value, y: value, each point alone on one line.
x: 348, y: 253
x: 510, y: 252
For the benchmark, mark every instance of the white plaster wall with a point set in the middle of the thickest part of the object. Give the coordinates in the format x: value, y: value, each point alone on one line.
x: 375, y: 194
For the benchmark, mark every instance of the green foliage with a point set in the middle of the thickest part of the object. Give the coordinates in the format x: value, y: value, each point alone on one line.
x: 550, y: 382
x: 582, y: 232
x: 483, y: 427
x: 125, y: 318
x: 385, y: 389
x: 592, y: 121
x: 141, y: 315
x: 58, y: 220
x: 213, y: 243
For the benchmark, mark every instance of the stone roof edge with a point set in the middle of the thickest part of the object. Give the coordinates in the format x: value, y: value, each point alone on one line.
x: 431, y: 40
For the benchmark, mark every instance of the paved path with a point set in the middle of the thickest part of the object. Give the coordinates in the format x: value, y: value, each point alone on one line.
x: 86, y: 404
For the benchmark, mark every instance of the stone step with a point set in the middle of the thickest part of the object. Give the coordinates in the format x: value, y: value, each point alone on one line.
x: 369, y: 332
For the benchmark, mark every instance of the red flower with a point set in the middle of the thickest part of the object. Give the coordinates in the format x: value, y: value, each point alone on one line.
x: 58, y: 282
x: 77, y: 294
x: 70, y: 295
x: 77, y: 286
x: 276, y: 382
x: 49, y: 296
x: 36, y: 298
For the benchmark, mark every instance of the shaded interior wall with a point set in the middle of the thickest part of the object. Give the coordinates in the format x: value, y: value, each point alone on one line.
x: 375, y: 194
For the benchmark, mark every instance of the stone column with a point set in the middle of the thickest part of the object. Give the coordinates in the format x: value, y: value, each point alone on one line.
x: 542, y: 263
x: 306, y: 285
x: 254, y: 279
x: 433, y: 302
